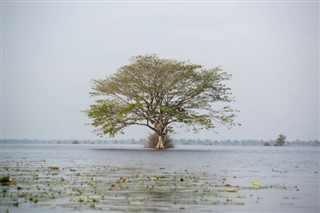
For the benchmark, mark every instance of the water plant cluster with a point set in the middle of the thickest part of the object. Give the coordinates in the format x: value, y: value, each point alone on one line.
x: 113, y: 189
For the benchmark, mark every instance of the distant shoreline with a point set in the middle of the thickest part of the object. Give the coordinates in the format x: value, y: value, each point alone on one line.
x: 176, y: 142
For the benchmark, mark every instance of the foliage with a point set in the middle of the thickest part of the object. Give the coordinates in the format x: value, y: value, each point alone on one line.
x: 280, y: 140
x: 75, y: 142
x: 156, y: 93
x: 153, y: 138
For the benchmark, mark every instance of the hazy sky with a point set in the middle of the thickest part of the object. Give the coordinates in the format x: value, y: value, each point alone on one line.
x: 52, y: 50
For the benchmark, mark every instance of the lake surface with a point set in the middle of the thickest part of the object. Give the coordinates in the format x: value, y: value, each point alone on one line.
x: 183, y: 179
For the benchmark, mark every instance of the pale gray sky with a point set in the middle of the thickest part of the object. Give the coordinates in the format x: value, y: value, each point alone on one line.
x: 52, y: 50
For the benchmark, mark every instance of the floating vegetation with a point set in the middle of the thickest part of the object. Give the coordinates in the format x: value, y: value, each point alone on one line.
x: 54, y: 168
x: 108, y: 188
x: 7, y: 181
x: 231, y: 190
x: 255, y: 183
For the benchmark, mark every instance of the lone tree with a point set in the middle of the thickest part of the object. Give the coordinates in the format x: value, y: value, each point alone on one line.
x: 156, y: 93
x: 280, y: 140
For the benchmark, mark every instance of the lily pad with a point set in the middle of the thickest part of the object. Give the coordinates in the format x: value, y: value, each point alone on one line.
x: 7, y: 181
x: 231, y: 190
x: 54, y: 168
x: 255, y: 183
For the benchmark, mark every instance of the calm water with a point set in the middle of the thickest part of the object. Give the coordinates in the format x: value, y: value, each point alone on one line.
x: 293, y: 167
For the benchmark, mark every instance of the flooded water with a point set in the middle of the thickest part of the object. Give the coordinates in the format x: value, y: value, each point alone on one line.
x: 87, y: 178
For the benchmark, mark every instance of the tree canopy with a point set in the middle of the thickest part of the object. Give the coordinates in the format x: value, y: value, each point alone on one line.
x: 156, y: 93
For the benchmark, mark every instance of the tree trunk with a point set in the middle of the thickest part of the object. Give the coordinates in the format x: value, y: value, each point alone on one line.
x: 160, y: 144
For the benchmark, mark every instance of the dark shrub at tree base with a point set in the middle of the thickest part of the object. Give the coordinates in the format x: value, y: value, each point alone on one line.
x: 153, y: 138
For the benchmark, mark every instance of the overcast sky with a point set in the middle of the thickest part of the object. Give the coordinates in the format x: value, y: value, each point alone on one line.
x: 52, y: 50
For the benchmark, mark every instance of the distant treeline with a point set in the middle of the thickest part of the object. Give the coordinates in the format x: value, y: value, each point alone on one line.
x: 251, y: 142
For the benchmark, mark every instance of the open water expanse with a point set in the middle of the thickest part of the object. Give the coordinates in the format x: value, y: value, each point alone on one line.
x: 129, y: 178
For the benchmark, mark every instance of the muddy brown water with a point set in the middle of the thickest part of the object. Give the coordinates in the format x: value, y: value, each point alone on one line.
x: 128, y: 178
